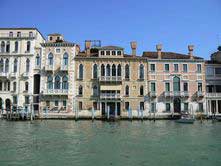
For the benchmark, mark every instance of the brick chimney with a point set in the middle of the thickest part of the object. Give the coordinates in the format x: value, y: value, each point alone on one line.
x: 133, y: 46
x: 190, y: 48
x: 159, y: 49
x: 88, y: 47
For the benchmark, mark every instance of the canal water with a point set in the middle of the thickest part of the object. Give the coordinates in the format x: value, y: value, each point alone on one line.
x: 123, y: 143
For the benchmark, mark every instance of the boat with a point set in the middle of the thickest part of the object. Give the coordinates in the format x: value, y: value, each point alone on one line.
x: 186, y: 119
x: 218, y: 118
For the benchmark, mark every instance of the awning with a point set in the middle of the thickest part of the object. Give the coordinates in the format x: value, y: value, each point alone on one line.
x: 110, y: 87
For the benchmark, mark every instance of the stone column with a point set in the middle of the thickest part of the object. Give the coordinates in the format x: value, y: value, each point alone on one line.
x: 216, y: 106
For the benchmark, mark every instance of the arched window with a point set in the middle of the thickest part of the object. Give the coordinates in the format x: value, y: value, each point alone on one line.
x: 1, y: 65
x: 176, y: 84
x: 65, y: 59
x: 28, y: 46
x: 27, y: 65
x: 26, y: 86
x: 37, y: 60
x: 102, y: 70
x: 6, y: 65
x: 95, y: 90
x: 95, y: 71
x: 8, y: 47
x: 16, y: 46
x: 2, y: 46
x: 14, y: 86
x: 141, y: 72
x: 65, y: 82
x: 127, y: 72
x: 113, y: 70
x: 127, y: 90
x: 81, y: 71
x: 50, y: 59
x: 141, y: 90
x: 108, y: 70
x: 119, y: 70
x: 57, y: 82
x: 50, y: 82
x: 15, y: 68
x: 80, y: 90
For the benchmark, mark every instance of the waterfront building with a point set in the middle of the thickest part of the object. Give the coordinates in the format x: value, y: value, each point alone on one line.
x: 213, y: 83
x: 18, y: 55
x: 57, y: 74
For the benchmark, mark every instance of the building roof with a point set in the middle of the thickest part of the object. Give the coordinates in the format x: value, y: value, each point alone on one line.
x: 212, y: 62
x: 111, y: 48
x: 55, y: 34
x: 58, y: 43
x: 167, y: 55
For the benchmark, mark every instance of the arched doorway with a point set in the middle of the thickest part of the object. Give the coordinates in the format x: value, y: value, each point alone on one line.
x: 177, y: 105
x: 176, y: 84
x: 8, y: 105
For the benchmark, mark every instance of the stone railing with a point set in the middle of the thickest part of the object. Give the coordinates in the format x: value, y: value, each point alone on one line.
x: 110, y: 78
x: 110, y: 95
x: 213, y: 94
x: 22, y: 35
x: 56, y: 91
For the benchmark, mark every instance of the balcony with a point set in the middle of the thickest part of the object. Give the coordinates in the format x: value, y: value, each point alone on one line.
x: 37, y: 67
x: 200, y: 94
x: 25, y: 75
x: 185, y: 94
x: 153, y: 94
x: 12, y: 75
x: 110, y: 79
x: 3, y: 74
x: 176, y: 93
x: 167, y: 93
x: 49, y: 67
x: 55, y: 92
x: 110, y: 96
x: 213, y: 94
x: 64, y: 67
x: 15, y: 36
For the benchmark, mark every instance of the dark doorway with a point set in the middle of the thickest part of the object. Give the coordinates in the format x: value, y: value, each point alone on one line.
x: 177, y: 105
x: 8, y: 105
x: 36, y: 84
x: 103, y: 108
x: 1, y: 104
x: 112, y: 108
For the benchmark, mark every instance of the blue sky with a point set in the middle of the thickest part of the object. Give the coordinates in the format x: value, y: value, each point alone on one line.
x: 173, y: 23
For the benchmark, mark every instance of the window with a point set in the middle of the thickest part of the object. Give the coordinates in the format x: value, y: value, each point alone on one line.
x: 185, y: 70
x: 217, y: 70
x: 167, y: 107
x: 30, y: 34
x: 28, y: 46
x: 80, y: 90
x: 6, y: 66
x: 57, y: 82
x: 141, y: 72
x: 18, y: 34
x: 95, y: 71
x: 80, y: 105
x: 8, y: 47
x: 27, y: 65
x: 15, y: 99
x: 210, y: 71
x: 199, y: 69
x: 108, y: 72
x: 152, y: 67
x: 127, y: 106
x: 65, y: 59
x: 107, y: 52
x: 95, y: 90
x: 200, y: 87
x: 65, y: 82
x: 37, y: 60
x: 48, y: 103
x: 200, y: 107
x: 16, y: 46
x: 186, y: 106
x: 114, y: 70
x: 14, y: 86
x: 15, y: 68
x: 167, y: 87
x: 1, y: 65
x: 153, y: 87
x: 95, y: 106
x: 10, y: 34
x: 185, y: 86
x: 141, y: 90
x: 118, y: 52
x: 142, y: 105
x: 26, y: 99
x: 58, y: 38
x: 56, y: 103
x: 119, y: 70
x: 50, y: 38
x: 167, y: 67
x: 2, y: 46
x: 0, y: 86
x: 26, y: 86
x: 127, y: 72
x: 57, y: 50
x: 176, y: 67
x: 50, y: 59
x: 127, y: 90
x: 113, y: 52
x: 102, y: 70
x: 176, y: 84
x: 64, y: 104
x: 50, y: 82
x: 102, y: 52
x: 153, y: 107
x: 81, y: 72
x: 8, y: 83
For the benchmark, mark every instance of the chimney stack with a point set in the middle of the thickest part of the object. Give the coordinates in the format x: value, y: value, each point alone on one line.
x: 133, y: 46
x: 159, y: 49
x: 88, y: 47
x: 190, y: 48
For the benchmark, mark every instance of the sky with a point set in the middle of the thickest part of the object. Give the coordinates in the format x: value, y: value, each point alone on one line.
x: 172, y: 23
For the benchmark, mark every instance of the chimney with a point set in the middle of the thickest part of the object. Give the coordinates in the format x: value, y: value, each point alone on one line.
x: 87, y: 47
x: 133, y: 46
x: 190, y: 48
x: 159, y: 49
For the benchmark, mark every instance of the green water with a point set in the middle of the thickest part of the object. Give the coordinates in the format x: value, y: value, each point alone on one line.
x: 123, y: 143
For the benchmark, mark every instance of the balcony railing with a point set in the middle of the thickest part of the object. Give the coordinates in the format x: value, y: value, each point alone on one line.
x: 64, y: 67
x: 200, y: 94
x: 3, y: 74
x: 185, y: 93
x: 177, y: 93
x: 213, y: 94
x: 110, y: 78
x: 152, y: 94
x: 22, y: 35
x: 25, y: 74
x: 12, y: 75
x: 49, y: 67
x: 167, y: 93
x: 56, y: 91
x: 110, y: 95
